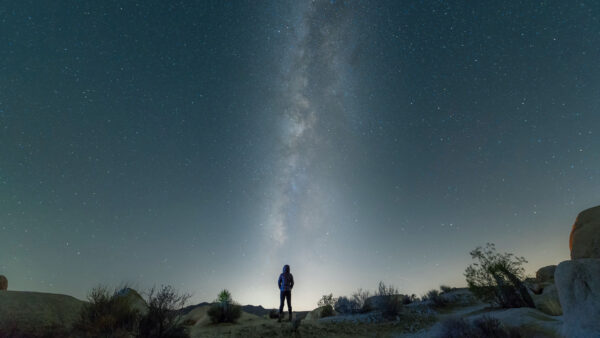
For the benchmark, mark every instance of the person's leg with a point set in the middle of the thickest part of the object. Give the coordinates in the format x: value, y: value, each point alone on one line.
x: 289, y: 302
x: 281, y: 299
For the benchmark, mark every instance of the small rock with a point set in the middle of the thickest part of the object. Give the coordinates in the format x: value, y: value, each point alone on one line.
x: 545, y: 274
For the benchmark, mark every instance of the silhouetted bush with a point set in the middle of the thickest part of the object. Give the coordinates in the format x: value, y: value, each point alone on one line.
x: 113, y: 314
x: 273, y: 314
x: 106, y: 314
x: 327, y: 300
x: 346, y: 306
x: 224, y: 309
x: 457, y: 328
x: 497, y: 278
x: 488, y: 327
x: 392, y: 306
x: 361, y: 298
x: 392, y: 300
x: 406, y: 299
x: 435, y: 297
x: 446, y: 288
x: 327, y: 311
x: 162, y: 318
x: 386, y: 290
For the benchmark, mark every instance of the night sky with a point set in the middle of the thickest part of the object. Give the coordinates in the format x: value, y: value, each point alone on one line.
x: 206, y: 144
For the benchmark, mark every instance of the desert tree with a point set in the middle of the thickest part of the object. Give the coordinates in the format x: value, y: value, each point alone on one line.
x: 497, y: 277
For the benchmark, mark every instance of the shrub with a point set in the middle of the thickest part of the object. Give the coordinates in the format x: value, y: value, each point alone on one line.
x: 409, y: 299
x: 496, y: 278
x: 327, y: 311
x: 162, y: 318
x: 106, y: 314
x: 386, y: 290
x: 392, y: 300
x: 392, y: 306
x: 361, y: 298
x: 224, y: 309
x: 446, y: 288
x: 482, y: 327
x: 457, y: 328
x: 435, y: 297
x: 327, y: 300
x: 345, y: 305
x: 273, y: 314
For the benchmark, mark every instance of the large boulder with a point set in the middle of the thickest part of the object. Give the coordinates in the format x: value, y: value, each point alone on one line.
x: 545, y: 274
x: 134, y: 299
x: 3, y: 283
x: 35, y: 312
x: 585, y: 235
x: 578, y: 284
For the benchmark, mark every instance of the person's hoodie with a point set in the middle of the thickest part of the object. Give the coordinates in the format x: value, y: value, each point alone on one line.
x: 286, y: 280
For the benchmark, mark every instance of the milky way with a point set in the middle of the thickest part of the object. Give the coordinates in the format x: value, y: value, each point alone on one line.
x: 312, y: 83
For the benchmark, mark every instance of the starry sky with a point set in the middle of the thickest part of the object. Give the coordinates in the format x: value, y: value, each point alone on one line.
x: 205, y: 144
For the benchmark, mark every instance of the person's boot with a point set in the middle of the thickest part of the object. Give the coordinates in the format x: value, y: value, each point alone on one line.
x: 279, y: 319
x: 290, y: 316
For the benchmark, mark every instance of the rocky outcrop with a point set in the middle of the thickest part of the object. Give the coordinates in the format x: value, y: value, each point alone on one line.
x: 134, y: 299
x: 578, y: 283
x: 545, y: 274
x: 3, y: 283
x: 548, y: 301
x: 585, y: 235
x: 317, y: 314
x: 37, y: 311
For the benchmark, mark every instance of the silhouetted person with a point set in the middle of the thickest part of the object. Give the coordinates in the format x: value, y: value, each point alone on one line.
x: 286, y: 283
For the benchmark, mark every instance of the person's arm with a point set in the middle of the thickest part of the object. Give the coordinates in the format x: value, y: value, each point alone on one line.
x: 279, y: 282
x: 292, y: 277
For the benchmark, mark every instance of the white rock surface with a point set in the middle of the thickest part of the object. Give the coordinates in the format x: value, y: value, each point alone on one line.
x: 578, y: 284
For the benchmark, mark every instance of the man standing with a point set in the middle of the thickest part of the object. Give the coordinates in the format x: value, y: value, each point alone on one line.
x: 286, y: 283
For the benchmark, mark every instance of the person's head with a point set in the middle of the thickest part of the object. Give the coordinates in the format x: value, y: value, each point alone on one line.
x: 286, y: 269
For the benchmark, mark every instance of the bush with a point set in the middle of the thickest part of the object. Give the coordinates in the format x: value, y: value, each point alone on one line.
x: 446, y: 288
x: 327, y: 300
x: 361, y: 299
x: 224, y: 309
x: 497, y: 278
x: 113, y: 314
x: 162, y: 318
x: 106, y: 314
x: 482, y: 327
x: 409, y: 299
x: 435, y: 297
x: 346, y: 306
x: 327, y: 311
x: 392, y: 306
x: 386, y: 290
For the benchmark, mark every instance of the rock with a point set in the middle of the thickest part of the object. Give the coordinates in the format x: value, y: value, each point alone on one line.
x: 547, y: 301
x: 316, y: 314
x: 545, y: 274
x: 459, y: 297
x: 3, y: 283
x: 578, y: 284
x: 585, y: 235
x: 135, y: 300
x: 36, y: 311
x: 524, y: 317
